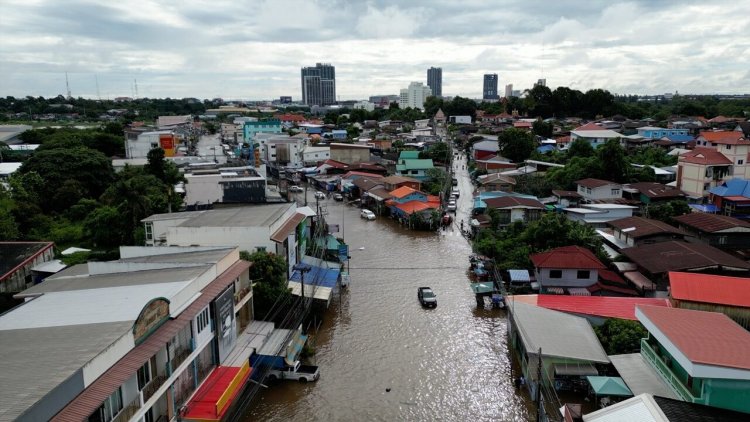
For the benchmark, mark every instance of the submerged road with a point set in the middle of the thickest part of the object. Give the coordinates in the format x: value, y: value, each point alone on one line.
x: 450, y: 363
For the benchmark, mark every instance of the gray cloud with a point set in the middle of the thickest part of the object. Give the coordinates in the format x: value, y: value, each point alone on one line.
x: 233, y: 50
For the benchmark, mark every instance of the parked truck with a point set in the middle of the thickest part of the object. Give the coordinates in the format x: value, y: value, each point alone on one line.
x: 280, y: 369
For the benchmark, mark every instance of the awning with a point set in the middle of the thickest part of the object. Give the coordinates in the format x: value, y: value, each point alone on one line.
x: 575, y: 369
x: 640, y: 376
x: 609, y: 386
x: 53, y: 266
x: 639, y: 280
x: 294, y: 348
x: 480, y: 288
x: 216, y: 394
x: 280, y: 235
x: 519, y: 276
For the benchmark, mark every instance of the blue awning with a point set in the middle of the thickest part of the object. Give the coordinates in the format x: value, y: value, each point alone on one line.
x: 317, y: 276
x: 705, y: 207
x: 519, y: 276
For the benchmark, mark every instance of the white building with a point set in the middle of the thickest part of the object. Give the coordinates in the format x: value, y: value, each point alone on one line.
x: 283, y: 151
x: 314, y: 155
x: 597, y: 189
x: 414, y: 96
x: 126, y: 340
x: 146, y: 141
x: 226, y: 185
x: 598, y: 215
x: 364, y: 105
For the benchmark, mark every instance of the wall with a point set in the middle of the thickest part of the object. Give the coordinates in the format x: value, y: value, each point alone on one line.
x: 246, y: 238
x: 691, y: 179
x: 350, y: 155
x: 107, y: 358
x: 569, y: 278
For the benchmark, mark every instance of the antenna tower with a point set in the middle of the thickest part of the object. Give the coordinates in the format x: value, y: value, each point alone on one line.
x: 67, y: 85
x: 98, y: 94
x: 135, y: 83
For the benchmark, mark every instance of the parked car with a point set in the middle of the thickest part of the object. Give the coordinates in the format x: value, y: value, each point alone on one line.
x: 454, y: 182
x: 338, y: 197
x: 426, y: 297
x: 295, y: 188
x: 367, y: 215
x: 320, y: 195
x: 451, y: 206
x: 455, y: 192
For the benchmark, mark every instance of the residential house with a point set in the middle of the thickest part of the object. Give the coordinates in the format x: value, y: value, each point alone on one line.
x: 653, y: 132
x: 332, y: 167
x: 356, y: 185
x: 289, y: 120
x: 495, y: 182
x: 350, y: 153
x: 494, y: 164
x: 732, y: 198
x: 565, y: 344
x: 598, y: 215
x: 594, y: 137
x: 719, y: 231
x: 483, y: 150
x: 567, y: 198
x: 596, y: 309
x: 251, y: 128
x: 654, y: 408
x: 394, y: 182
x: 637, y: 231
x: 370, y: 168
x: 132, y: 339
x: 657, y: 259
x: 568, y: 266
x: 226, y: 185
x: 409, y: 165
x: 718, y: 157
x: 696, y: 353
x: 17, y: 260
x: 406, y: 201
x: 480, y: 206
x: 598, y: 190
x: 514, y: 208
x: 714, y: 293
x: 314, y: 155
x: 649, y: 193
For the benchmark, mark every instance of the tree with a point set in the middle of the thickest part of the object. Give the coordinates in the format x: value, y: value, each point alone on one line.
x: 155, y: 165
x: 104, y: 227
x: 580, y: 148
x: 667, y: 211
x: 620, y: 336
x: 612, y: 163
x: 516, y: 145
x: 542, y: 128
x: 268, y: 273
x: 439, y: 152
x: 431, y: 105
x: 438, y: 180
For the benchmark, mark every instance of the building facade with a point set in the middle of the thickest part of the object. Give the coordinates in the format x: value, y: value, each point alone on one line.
x: 414, y: 96
x: 319, y: 84
x: 435, y: 80
x: 489, y: 89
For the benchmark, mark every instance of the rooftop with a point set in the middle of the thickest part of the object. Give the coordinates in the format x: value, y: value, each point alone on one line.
x: 594, y: 133
x: 572, y: 257
x: 595, y: 183
x: 639, y: 227
x: 639, y: 375
x: 403, y: 191
x: 712, y: 223
x: 724, y: 137
x: 600, y: 306
x: 656, y: 190
x: 705, y: 156
x: 673, y: 255
x: 709, y: 288
x: 513, y: 202
x: 394, y: 180
x: 708, y: 338
x: 15, y: 254
x: 245, y: 216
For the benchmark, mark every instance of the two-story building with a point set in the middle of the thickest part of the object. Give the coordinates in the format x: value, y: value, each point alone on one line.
x: 406, y: 201
x: 732, y: 198
x: 701, y: 355
x: 410, y: 165
x: 653, y: 132
x: 350, y: 153
x: 719, y: 231
x: 568, y: 266
x: 636, y: 231
x: 226, y: 185
x: 495, y: 182
x: 592, y: 190
x: 514, y: 208
x: 717, y: 157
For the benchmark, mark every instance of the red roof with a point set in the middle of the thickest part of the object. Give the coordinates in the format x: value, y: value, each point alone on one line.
x: 724, y: 137
x: 291, y: 118
x: 204, y: 404
x: 589, y: 126
x: 512, y: 202
x: 601, y: 306
x: 708, y: 288
x: 362, y: 173
x: 336, y: 164
x: 523, y: 125
x: 594, y: 183
x: 571, y: 257
x: 708, y: 338
x: 403, y: 191
x: 706, y: 156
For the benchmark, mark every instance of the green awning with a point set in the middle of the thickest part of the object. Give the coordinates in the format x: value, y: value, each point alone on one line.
x: 479, y: 288
x: 609, y: 386
x: 329, y: 242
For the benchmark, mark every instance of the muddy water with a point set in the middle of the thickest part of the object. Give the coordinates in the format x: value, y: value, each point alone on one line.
x: 450, y: 363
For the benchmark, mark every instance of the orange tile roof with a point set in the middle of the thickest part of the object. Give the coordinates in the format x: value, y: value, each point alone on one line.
x: 589, y: 126
x: 706, y: 156
x: 724, y: 137
x: 415, y: 206
x: 403, y: 191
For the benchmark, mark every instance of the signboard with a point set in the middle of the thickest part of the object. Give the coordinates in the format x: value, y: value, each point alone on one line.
x: 226, y: 326
x: 167, y: 143
x: 151, y: 317
x: 343, y: 252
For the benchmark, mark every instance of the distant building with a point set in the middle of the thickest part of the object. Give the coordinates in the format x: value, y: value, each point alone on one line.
x: 414, y: 96
x: 489, y: 90
x: 224, y: 186
x: 435, y: 80
x: 383, y: 100
x: 146, y: 141
x: 364, y: 105
x: 319, y: 84
x: 541, y: 82
x: 508, y: 90
x: 285, y: 99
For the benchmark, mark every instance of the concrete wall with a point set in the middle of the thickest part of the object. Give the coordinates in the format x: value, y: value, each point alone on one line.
x: 55, y: 400
x: 107, y: 358
x: 569, y: 278
x: 350, y: 155
x: 246, y: 238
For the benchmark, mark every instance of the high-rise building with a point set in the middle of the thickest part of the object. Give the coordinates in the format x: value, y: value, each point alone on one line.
x: 319, y: 84
x: 489, y: 92
x: 508, y: 90
x: 541, y: 82
x: 414, y: 96
x: 435, y: 80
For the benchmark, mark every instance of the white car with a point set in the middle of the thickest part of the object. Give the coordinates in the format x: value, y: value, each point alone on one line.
x: 320, y: 195
x: 455, y: 192
x: 367, y: 215
x: 451, y: 206
x: 295, y: 188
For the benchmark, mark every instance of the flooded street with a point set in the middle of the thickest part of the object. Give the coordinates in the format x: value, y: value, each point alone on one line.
x: 450, y: 363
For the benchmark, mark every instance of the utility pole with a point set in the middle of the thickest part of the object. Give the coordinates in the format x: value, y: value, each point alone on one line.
x: 302, y: 268
x: 539, y: 388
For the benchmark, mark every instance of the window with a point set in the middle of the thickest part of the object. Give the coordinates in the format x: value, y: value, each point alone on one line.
x: 555, y: 273
x: 583, y: 274
x: 588, y: 190
x: 144, y: 375
x: 203, y: 320
x: 740, y: 162
x: 616, y: 192
x: 154, y: 145
x: 721, y: 240
x: 109, y: 409
x: 729, y: 147
x: 149, y: 231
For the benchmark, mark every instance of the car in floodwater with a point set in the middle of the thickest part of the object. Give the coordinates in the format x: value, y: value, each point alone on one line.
x: 427, y: 297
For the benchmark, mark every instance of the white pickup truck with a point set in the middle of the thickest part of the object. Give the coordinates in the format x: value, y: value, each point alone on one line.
x: 299, y: 372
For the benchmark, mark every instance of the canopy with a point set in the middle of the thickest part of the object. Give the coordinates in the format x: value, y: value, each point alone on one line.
x: 479, y: 288
x: 609, y: 386
x: 575, y: 369
x: 519, y: 276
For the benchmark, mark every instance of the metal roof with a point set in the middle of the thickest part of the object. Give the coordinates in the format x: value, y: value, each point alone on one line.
x: 243, y: 216
x: 709, y: 288
x: 640, y: 376
x: 661, y: 257
x: 641, y: 408
x: 557, y: 334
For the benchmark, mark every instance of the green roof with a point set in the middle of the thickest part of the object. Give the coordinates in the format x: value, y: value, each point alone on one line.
x: 609, y: 386
x: 408, y: 155
x: 415, y: 165
x: 330, y: 242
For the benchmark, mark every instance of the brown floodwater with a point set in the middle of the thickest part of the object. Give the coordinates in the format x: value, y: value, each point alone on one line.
x: 449, y: 363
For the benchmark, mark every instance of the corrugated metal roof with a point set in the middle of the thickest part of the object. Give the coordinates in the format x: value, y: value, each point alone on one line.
x: 287, y: 228
x: 640, y: 376
x: 90, y: 399
x: 708, y: 288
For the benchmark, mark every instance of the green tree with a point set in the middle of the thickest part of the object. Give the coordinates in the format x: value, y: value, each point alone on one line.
x: 155, y: 165
x: 431, y: 105
x: 612, y: 162
x: 620, y: 336
x: 104, y: 227
x: 8, y: 226
x: 438, y: 181
x: 268, y: 273
x: 516, y: 145
x: 542, y: 128
x: 581, y: 148
x: 667, y: 211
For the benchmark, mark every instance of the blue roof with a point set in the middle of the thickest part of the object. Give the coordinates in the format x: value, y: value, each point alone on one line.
x: 710, y: 208
x: 733, y: 187
x: 519, y: 275
x: 545, y: 148
x: 680, y: 138
x: 317, y: 276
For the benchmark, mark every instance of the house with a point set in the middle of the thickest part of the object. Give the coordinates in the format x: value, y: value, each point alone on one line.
x: 568, y: 266
x: 410, y: 165
x: 638, y: 231
x: 406, y: 201
x: 657, y: 259
x: 495, y: 182
x: 314, y: 155
x: 332, y: 167
x: 597, y: 215
x: 494, y: 164
x: 368, y: 168
x: 598, y: 190
x: 350, y: 153
x: 131, y: 339
x: 140, y: 146
x: 717, y: 157
x: 566, y: 345
x: 514, y: 208
x: 594, y: 137
x: 17, y: 259
x: 225, y: 185
x: 654, y: 408
x: 480, y: 206
x: 652, y: 132
x: 649, y: 193
x: 395, y: 182
x: 697, y: 354
x: 483, y: 150
x: 567, y: 198
x: 596, y: 309
x: 719, y: 231
x: 714, y: 293
x: 732, y: 198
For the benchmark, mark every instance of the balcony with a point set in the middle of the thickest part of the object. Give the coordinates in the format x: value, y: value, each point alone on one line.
x: 179, y: 356
x: 128, y: 411
x: 666, y: 374
x: 152, y: 386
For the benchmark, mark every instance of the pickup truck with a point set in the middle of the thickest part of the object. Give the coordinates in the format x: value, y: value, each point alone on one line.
x: 299, y: 372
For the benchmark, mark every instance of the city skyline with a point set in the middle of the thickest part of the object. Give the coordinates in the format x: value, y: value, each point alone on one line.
x: 175, y: 51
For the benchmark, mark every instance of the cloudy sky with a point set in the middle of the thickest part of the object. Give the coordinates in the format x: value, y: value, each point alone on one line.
x: 254, y: 49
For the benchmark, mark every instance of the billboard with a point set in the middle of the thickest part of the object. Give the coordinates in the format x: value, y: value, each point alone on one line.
x: 167, y: 143
x: 226, y: 326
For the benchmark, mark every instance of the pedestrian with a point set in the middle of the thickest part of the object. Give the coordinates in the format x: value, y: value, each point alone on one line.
x: 517, y: 382
x: 523, y: 380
